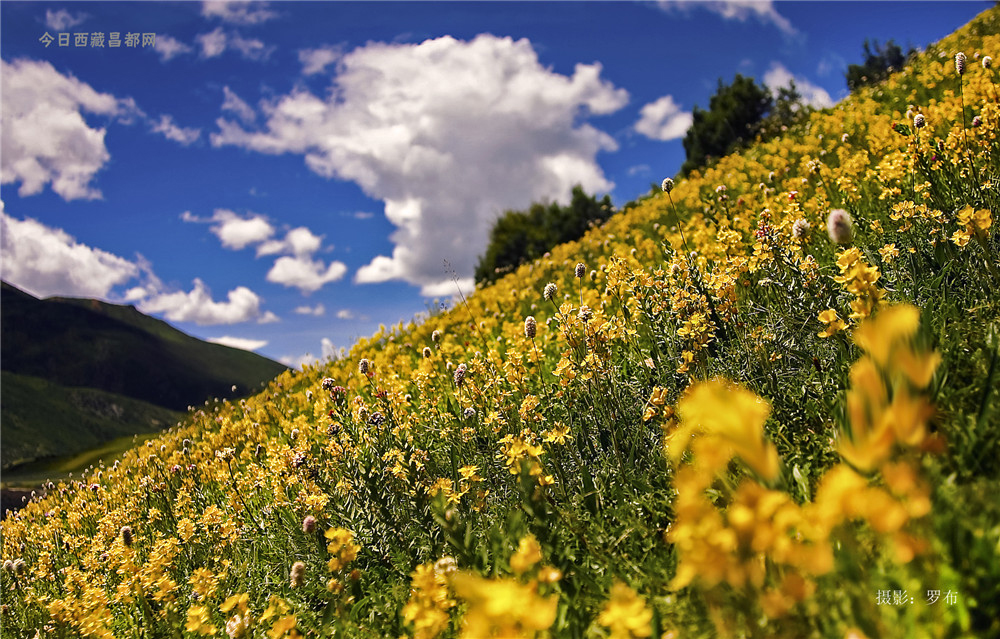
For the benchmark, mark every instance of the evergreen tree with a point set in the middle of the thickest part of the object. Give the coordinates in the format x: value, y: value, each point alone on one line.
x: 520, y: 236
x: 732, y: 119
x: 879, y: 63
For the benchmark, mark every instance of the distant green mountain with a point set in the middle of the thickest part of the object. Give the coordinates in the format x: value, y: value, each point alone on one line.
x: 41, y: 419
x: 78, y: 372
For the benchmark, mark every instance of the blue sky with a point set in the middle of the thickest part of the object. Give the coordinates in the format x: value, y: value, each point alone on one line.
x: 285, y: 177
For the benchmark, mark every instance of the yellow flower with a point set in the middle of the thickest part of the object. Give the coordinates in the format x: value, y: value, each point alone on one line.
x: 199, y: 621
x: 282, y: 626
x: 502, y: 607
x: 185, y: 529
x: 204, y: 582
x: 833, y: 323
x: 557, y: 434
x: 892, y: 325
x: 889, y: 252
x: 527, y: 555
x: 342, y: 547
x: 730, y: 415
x: 625, y: 614
x: 961, y: 237
x: 429, y: 603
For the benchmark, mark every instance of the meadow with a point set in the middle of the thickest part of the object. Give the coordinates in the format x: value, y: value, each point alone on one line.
x: 761, y: 402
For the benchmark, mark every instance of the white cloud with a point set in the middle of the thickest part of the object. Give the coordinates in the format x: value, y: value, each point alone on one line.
x: 234, y: 231
x: 317, y: 60
x: 295, y: 268
x: 233, y: 103
x: 345, y: 314
x: 299, y: 242
x: 217, y: 41
x: 327, y: 349
x: 316, y: 311
x: 237, y: 232
x: 213, y: 43
x: 197, y: 306
x: 663, y: 120
x: 170, y: 130
x: 169, y: 47
x: 45, y: 137
x: 740, y: 10
x: 305, y: 274
x: 241, y: 343
x: 448, y: 134
x: 778, y: 76
x: 45, y: 261
x: 237, y: 12
x: 62, y: 19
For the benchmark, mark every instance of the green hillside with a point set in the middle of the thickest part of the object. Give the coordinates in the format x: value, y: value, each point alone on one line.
x: 93, y: 344
x: 41, y: 419
x: 78, y: 372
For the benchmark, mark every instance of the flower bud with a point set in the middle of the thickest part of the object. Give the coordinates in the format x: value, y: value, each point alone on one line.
x: 530, y: 327
x: 839, y: 226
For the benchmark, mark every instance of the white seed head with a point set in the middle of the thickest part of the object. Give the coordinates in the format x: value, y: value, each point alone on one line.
x: 840, y: 227
x: 549, y: 292
x: 800, y: 229
x: 530, y: 327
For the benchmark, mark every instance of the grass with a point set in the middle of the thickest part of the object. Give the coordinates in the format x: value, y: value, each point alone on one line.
x: 730, y: 426
x: 42, y: 420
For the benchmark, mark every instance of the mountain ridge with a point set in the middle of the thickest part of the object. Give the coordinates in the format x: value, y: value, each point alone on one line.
x: 69, y: 346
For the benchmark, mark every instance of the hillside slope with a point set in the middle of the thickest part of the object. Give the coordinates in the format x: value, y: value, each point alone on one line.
x: 41, y: 419
x: 707, y: 418
x: 93, y: 344
x: 78, y: 372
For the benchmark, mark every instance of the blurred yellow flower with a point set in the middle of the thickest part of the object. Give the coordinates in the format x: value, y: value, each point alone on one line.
x: 625, y: 615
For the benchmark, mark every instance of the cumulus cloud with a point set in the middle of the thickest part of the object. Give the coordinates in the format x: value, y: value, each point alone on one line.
x: 317, y: 60
x: 45, y: 261
x: 234, y: 104
x: 169, y: 47
x: 170, y: 130
x: 237, y: 11
x: 45, y: 137
x: 345, y: 314
x: 233, y: 230
x: 197, y: 306
x: 305, y: 274
x: 316, y: 311
x: 217, y: 41
x: 778, y: 76
x: 241, y: 343
x: 448, y: 134
x: 740, y: 10
x: 62, y: 19
x: 663, y: 120
x: 299, y: 242
x: 295, y: 267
